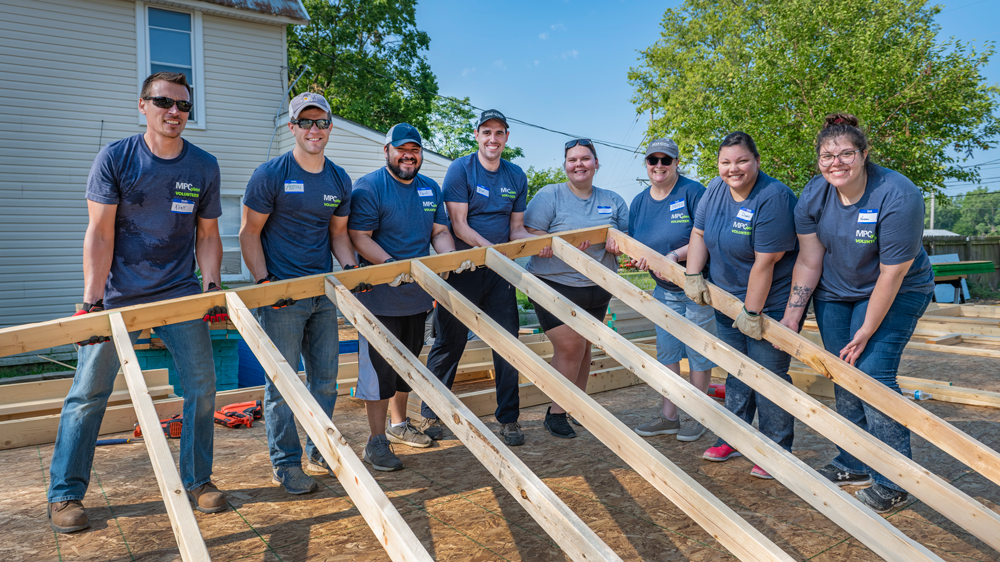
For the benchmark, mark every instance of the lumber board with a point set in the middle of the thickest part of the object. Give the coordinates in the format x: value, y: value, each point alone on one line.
x: 950, y: 339
x: 41, y: 335
x: 51, y: 406
x: 44, y: 390
x: 708, y: 511
x: 971, y: 396
x: 870, y: 529
x: 928, y: 487
x: 182, y: 521
x: 565, y: 528
x: 957, y: 350
x: 944, y: 435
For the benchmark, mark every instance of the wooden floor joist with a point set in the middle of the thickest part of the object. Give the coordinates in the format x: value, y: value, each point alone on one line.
x: 928, y: 487
x: 565, y: 528
x: 869, y: 528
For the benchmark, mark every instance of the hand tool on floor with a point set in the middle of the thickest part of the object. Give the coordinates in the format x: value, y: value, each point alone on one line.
x: 102, y: 442
x: 717, y: 391
x: 171, y: 427
x: 241, y: 413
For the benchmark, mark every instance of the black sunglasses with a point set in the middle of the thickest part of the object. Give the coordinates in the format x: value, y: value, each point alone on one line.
x: 167, y: 103
x: 308, y: 123
x: 665, y: 160
x: 581, y: 142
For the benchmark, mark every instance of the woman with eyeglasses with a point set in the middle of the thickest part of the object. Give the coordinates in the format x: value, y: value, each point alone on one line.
x: 743, y: 229
x: 662, y: 217
x: 860, y: 229
x: 576, y: 203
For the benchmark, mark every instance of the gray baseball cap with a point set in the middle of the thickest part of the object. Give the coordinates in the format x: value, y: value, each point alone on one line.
x: 403, y: 133
x: 665, y: 146
x: 492, y: 114
x: 306, y: 100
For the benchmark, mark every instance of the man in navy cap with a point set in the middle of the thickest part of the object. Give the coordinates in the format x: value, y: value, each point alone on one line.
x: 486, y: 197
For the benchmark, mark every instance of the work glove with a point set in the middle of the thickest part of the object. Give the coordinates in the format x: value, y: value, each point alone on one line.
x: 86, y: 309
x: 400, y: 279
x: 362, y: 287
x: 750, y: 323
x: 467, y: 265
x: 216, y: 313
x: 281, y: 303
x: 696, y: 289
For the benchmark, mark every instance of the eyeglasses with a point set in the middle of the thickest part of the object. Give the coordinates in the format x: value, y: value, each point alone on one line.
x: 308, y: 123
x: 167, y: 103
x: 846, y: 157
x: 581, y: 142
x: 654, y: 160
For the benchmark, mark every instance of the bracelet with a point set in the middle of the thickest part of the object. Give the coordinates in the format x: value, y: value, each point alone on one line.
x: 676, y: 255
x: 390, y: 260
x: 750, y: 313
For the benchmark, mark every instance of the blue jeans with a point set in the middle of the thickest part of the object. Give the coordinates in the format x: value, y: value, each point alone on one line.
x: 670, y: 350
x: 838, y: 322
x: 495, y: 297
x: 308, y: 329
x: 775, y: 423
x: 83, y: 410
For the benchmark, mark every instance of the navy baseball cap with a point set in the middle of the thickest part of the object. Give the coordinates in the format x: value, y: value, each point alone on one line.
x: 492, y: 114
x: 403, y: 133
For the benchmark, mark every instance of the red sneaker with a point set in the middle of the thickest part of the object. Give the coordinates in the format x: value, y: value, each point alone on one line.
x: 720, y: 453
x: 759, y: 472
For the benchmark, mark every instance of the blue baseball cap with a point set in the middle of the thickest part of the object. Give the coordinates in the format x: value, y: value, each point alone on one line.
x: 403, y: 133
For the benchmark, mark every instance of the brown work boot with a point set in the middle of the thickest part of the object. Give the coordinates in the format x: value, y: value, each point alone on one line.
x: 68, y: 516
x: 207, y: 498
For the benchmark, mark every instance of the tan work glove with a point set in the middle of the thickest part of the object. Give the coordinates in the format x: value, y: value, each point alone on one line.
x: 467, y: 265
x: 750, y: 324
x: 696, y: 289
x: 401, y: 279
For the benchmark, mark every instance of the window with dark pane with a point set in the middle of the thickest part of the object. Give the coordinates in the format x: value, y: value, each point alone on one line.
x: 171, y: 46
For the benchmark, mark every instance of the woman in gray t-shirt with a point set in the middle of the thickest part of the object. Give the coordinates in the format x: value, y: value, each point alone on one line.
x: 577, y: 203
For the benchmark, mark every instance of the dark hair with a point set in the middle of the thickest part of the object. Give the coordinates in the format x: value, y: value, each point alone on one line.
x: 172, y: 77
x: 837, y: 125
x: 590, y: 145
x: 739, y: 138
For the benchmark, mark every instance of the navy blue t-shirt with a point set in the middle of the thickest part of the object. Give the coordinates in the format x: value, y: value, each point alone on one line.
x: 763, y: 222
x: 492, y: 196
x: 159, y: 202
x: 885, y: 226
x: 401, y: 218
x: 666, y: 225
x: 296, y: 236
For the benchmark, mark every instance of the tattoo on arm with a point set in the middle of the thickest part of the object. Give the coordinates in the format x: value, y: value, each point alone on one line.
x: 800, y: 296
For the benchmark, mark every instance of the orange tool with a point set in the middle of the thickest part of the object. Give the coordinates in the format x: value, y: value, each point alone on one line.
x: 171, y: 427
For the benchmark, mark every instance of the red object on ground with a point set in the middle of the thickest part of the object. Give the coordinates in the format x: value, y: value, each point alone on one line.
x: 171, y: 428
x: 717, y: 391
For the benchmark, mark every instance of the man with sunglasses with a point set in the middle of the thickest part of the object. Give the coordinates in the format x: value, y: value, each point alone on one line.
x: 154, y: 202
x: 486, y: 197
x: 294, y: 215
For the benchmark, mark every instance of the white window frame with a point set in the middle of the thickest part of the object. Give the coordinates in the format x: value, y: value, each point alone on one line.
x: 244, y: 275
x: 197, y: 54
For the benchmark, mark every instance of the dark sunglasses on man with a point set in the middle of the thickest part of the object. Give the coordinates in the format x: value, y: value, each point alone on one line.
x: 308, y: 123
x: 581, y: 142
x: 167, y: 103
x: 654, y: 160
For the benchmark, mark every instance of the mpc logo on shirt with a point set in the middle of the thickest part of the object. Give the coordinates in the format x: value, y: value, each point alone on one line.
x: 741, y: 227
x: 430, y: 206
x: 507, y: 192
x: 331, y: 201
x: 183, y: 189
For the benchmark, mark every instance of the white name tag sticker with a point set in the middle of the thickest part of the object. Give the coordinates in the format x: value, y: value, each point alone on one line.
x: 679, y: 204
x: 425, y: 192
x: 485, y: 191
x: 745, y: 214
x: 182, y: 206
x: 601, y: 210
x: 294, y: 186
x: 869, y: 216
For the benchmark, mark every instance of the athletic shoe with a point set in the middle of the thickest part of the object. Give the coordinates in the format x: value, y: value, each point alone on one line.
x: 574, y: 422
x: 659, y: 426
x: 691, y: 432
x: 319, y: 466
x: 558, y: 425
x: 758, y: 472
x: 207, y: 498
x: 433, y: 428
x: 68, y: 516
x: 844, y: 478
x: 293, y: 480
x: 406, y: 434
x: 720, y: 453
x: 378, y: 453
x: 881, y: 498
x: 512, y: 434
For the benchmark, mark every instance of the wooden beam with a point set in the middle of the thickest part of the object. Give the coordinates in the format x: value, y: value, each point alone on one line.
x: 49, y: 406
x: 565, y: 528
x: 928, y: 487
x: 953, y: 349
x: 718, y: 519
x: 871, y: 529
x: 947, y: 437
x: 388, y: 525
x: 21, y: 339
x: 182, y: 521
x: 59, y: 388
x: 950, y: 339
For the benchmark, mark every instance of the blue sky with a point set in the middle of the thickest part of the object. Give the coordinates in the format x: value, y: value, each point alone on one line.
x: 563, y: 64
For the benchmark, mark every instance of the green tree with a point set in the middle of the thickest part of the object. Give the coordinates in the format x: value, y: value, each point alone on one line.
x: 774, y: 69
x: 975, y: 213
x: 452, y: 126
x: 368, y: 59
x: 538, y: 179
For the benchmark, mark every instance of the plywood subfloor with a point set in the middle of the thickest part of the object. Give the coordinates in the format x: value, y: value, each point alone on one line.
x: 459, y: 512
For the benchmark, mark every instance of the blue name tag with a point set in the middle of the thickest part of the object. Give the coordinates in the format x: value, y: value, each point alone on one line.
x: 294, y: 186
x: 425, y: 192
x: 182, y: 206
x: 868, y: 216
x: 483, y: 190
x: 679, y: 204
x: 745, y: 214
x: 601, y: 210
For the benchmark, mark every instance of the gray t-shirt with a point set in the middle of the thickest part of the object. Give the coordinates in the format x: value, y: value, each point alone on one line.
x: 666, y: 225
x: 885, y: 226
x: 556, y: 209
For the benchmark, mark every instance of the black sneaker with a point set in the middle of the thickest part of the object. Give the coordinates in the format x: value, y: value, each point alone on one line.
x: 558, y: 425
x: 512, y: 434
x: 880, y: 498
x: 844, y: 478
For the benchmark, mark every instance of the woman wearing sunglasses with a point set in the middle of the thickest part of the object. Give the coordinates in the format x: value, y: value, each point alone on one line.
x: 744, y: 230
x: 860, y: 228
x: 661, y: 217
x: 577, y: 203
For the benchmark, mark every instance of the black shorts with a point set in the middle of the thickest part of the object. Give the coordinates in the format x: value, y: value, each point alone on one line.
x: 593, y: 299
x: 377, y: 380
